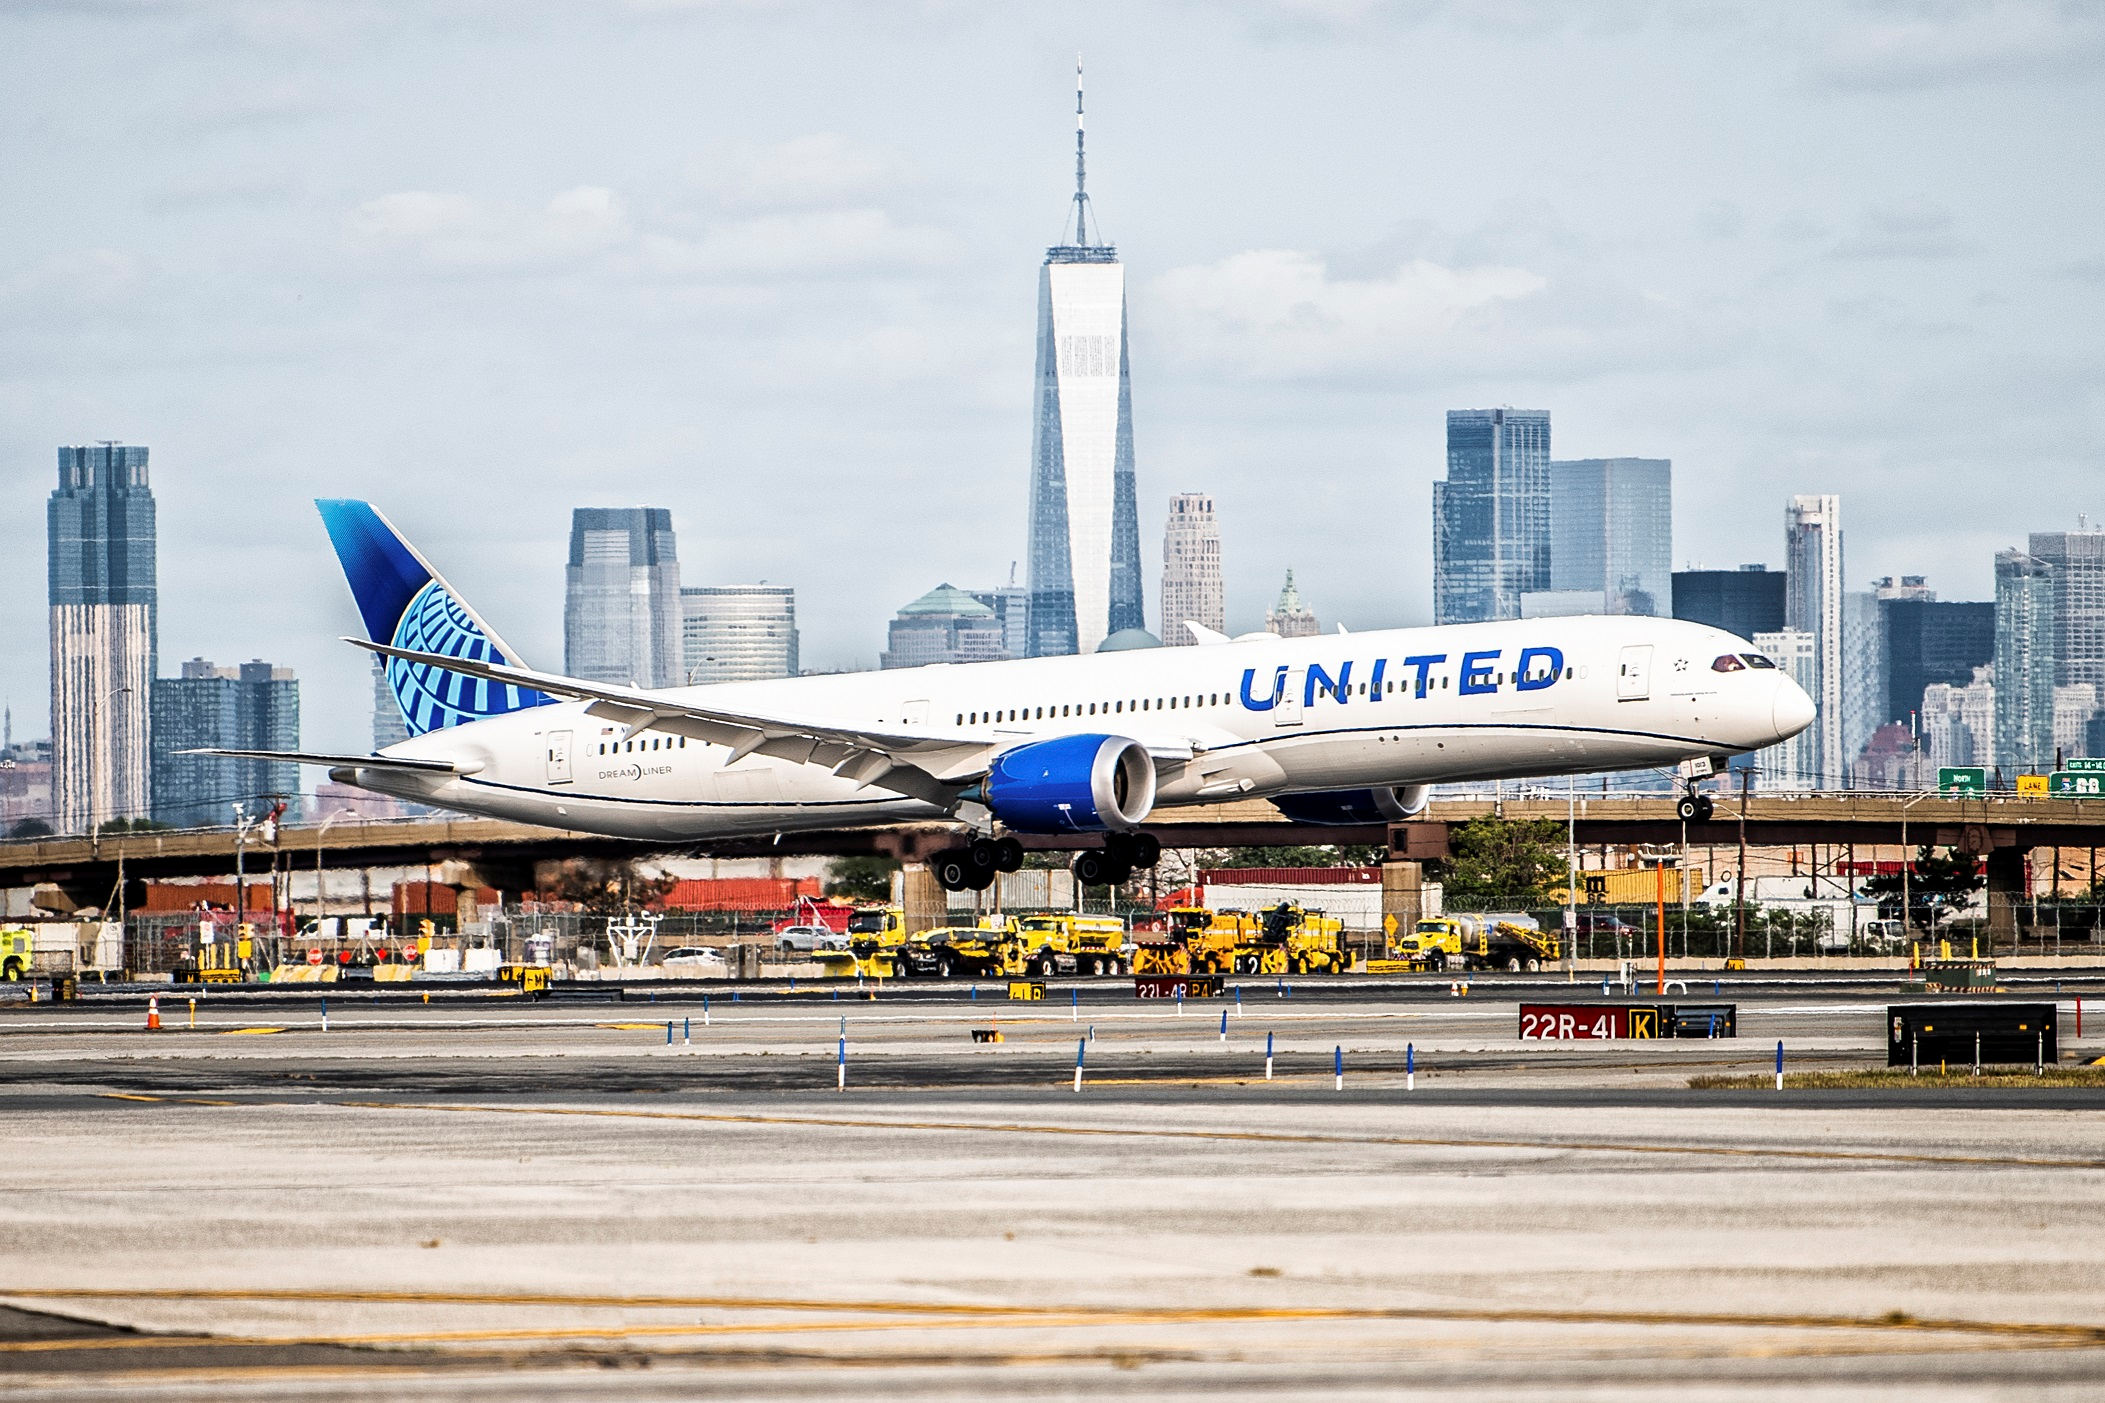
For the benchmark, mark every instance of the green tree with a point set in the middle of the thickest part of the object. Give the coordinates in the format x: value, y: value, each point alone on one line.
x: 30, y: 828
x: 1321, y: 855
x: 1933, y: 885
x: 1501, y: 862
x: 861, y: 878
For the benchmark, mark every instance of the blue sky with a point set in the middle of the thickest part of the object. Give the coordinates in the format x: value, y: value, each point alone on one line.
x: 773, y: 265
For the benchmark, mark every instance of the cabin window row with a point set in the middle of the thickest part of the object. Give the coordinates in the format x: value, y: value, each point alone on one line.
x: 630, y: 747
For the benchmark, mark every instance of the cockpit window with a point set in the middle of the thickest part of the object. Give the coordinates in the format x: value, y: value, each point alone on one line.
x: 1728, y: 663
x: 1757, y: 660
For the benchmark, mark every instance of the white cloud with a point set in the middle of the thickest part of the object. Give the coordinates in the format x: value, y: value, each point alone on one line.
x: 823, y: 168
x: 450, y: 230
x: 1279, y: 313
x: 822, y: 242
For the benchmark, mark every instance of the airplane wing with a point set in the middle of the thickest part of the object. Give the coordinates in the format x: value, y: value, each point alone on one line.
x: 339, y: 762
x: 924, y: 765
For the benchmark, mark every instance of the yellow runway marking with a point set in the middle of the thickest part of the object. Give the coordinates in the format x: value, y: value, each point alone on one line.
x: 237, y: 1032
x: 633, y: 1027
x: 917, y: 1314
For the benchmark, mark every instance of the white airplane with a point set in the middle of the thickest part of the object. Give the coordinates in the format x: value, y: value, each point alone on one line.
x: 1348, y: 728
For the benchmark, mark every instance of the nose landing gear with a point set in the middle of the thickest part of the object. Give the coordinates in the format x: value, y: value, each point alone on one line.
x: 1694, y: 808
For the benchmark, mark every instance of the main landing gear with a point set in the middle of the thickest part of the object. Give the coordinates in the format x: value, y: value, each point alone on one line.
x: 974, y: 866
x: 1116, y: 860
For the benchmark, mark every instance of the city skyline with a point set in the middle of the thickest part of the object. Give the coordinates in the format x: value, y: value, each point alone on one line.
x: 749, y: 280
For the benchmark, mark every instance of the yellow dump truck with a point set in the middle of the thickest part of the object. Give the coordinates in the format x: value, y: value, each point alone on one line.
x: 1061, y: 943
x: 1476, y: 942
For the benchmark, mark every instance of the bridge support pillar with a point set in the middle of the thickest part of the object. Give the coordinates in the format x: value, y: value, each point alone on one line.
x: 1402, y: 893
x: 925, y: 904
x: 2006, y: 887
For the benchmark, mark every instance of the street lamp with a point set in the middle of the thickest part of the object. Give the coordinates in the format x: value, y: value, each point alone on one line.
x: 321, y: 906
x: 94, y: 828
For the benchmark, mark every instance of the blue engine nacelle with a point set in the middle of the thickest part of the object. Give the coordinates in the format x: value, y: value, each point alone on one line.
x: 1338, y: 808
x: 1073, y: 784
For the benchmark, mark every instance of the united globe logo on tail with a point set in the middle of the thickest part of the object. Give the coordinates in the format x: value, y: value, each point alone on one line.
x: 405, y: 603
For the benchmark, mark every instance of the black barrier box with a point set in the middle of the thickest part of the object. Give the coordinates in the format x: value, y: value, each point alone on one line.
x: 1959, y: 1033
x: 1699, y: 1020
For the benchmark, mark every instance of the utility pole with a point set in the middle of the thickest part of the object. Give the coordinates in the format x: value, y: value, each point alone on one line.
x: 1739, y: 876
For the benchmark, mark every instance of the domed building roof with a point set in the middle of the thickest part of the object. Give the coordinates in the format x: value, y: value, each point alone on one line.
x: 1127, y: 639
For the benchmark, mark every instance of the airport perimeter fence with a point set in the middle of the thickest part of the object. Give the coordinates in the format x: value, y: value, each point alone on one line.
x: 1841, y: 929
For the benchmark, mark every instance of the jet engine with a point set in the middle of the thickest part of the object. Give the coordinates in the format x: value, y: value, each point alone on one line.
x: 1072, y: 784
x: 1341, y: 807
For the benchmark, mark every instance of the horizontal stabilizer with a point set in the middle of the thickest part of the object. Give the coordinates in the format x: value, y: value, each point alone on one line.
x: 337, y: 762
x: 1204, y: 635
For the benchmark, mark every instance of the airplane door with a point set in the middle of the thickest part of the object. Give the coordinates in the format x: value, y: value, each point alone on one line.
x: 1286, y: 707
x: 558, y: 757
x: 1633, y: 680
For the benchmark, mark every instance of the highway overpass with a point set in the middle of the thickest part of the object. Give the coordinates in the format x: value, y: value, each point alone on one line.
x: 503, y: 855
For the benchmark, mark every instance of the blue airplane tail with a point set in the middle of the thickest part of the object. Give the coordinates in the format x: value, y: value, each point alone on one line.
x: 407, y: 604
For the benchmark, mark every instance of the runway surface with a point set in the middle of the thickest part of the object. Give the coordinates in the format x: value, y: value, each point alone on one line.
x: 542, y: 1200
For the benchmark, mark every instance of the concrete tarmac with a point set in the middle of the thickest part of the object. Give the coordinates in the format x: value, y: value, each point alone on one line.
x: 544, y: 1201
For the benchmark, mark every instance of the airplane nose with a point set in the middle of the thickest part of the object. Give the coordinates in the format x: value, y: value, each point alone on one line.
x: 1794, y: 710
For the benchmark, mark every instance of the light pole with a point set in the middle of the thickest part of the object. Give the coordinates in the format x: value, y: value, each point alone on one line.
x: 321, y: 906
x: 95, y: 828
x: 241, y: 834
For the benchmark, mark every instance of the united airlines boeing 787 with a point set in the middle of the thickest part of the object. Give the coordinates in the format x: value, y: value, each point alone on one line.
x: 1338, y: 729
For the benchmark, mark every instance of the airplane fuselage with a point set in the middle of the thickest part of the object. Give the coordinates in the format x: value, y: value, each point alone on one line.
x: 1259, y: 717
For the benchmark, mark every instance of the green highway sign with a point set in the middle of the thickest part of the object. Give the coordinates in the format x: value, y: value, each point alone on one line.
x: 2093, y: 766
x: 2077, y: 784
x: 1963, y: 779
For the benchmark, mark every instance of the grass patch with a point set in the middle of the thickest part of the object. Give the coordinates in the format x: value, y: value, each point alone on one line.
x: 1869, y: 1077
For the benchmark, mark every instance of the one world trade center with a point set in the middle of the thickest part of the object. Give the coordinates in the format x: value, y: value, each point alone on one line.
x: 1085, y: 532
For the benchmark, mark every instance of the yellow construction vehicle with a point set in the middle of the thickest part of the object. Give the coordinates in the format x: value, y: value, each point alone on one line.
x: 1195, y: 940
x: 17, y: 953
x: 1290, y: 940
x: 991, y: 949
x: 1062, y: 943
x: 876, y: 939
x: 1476, y: 942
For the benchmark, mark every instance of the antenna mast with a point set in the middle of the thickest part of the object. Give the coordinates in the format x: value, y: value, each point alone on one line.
x: 1081, y: 184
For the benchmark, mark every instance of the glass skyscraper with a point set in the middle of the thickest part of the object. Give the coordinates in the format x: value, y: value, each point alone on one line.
x: 1491, y: 517
x: 1084, y: 540
x: 621, y: 606
x: 1813, y: 605
x: 251, y: 707
x: 104, y: 630
x: 1743, y: 602
x: 739, y: 633
x: 1612, y: 531
x: 2024, y: 663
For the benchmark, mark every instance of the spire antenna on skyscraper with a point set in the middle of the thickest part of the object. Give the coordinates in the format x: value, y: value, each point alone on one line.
x: 1081, y: 168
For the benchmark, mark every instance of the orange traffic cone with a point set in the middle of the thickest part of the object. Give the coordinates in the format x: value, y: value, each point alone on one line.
x: 153, y: 1013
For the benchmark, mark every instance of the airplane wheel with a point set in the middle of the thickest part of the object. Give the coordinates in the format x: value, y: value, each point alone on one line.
x: 983, y: 854
x: 1687, y: 808
x: 984, y: 878
x: 1144, y: 850
x: 1705, y: 807
x: 953, y: 870
x: 1092, y: 867
x: 1008, y: 855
